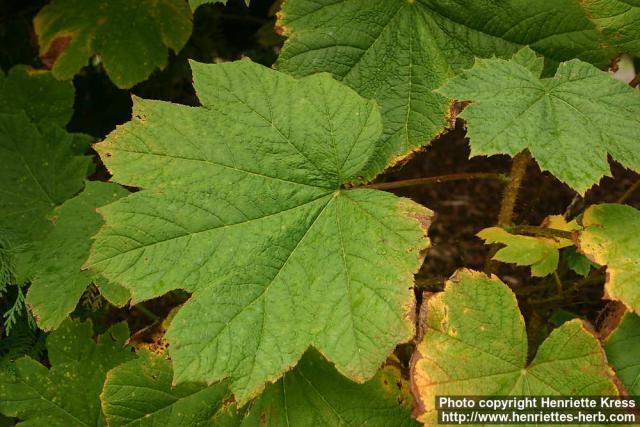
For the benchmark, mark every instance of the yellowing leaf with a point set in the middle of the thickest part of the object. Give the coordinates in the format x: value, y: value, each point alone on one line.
x: 610, y: 238
x: 541, y: 253
x: 476, y: 344
x: 250, y: 212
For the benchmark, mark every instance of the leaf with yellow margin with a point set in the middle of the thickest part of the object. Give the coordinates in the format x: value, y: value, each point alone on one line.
x: 476, y: 344
x: 610, y: 238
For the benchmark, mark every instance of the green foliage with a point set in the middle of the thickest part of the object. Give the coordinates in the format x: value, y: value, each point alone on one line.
x: 148, y: 378
x: 21, y: 340
x: 476, y: 344
x: 314, y: 394
x: 279, y: 255
x: 399, y: 51
x: 577, y: 262
x: 277, y: 280
x: 540, y: 253
x: 54, y: 263
x: 67, y: 394
x: 623, y: 352
x: 39, y: 172
x: 619, y: 20
x: 514, y: 110
x: 611, y: 238
x: 22, y: 86
x: 131, y: 38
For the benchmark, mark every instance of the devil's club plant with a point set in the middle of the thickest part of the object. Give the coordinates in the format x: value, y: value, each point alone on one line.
x: 247, y: 240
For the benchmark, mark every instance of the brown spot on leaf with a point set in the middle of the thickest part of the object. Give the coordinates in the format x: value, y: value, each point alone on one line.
x: 455, y: 108
x: 55, y: 49
x: 280, y: 29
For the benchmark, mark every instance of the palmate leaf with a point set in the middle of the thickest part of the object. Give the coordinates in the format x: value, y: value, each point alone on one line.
x: 68, y: 393
x: 53, y: 263
x: 245, y: 206
x: 476, y: 344
x: 610, y: 238
x: 131, y: 37
x: 513, y: 109
x: 399, y: 51
x: 541, y: 253
x: 619, y: 20
x: 312, y: 394
x: 39, y: 171
x: 623, y: 352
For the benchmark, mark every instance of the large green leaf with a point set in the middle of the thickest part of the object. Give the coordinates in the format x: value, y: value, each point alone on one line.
x: 139, y: 393
x: 68, y: 394
x: 513, y: 110
x: 611, y: 238
x: 315, y: 395
x: 131, y: 37
x: 39, y: 171
x: 476, y: 344
x: 619, y: 20
x: 38, y: 94
x: 245, y: 205
x: 398, y: 51
x: 53, y: 264
x: 623, y: 352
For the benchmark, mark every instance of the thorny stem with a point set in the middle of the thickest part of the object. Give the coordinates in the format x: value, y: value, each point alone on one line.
x: 629, y: 192
x: 533, y: 230
x: 510, y: 195
x: 509, y: 198
x: 436, y: 179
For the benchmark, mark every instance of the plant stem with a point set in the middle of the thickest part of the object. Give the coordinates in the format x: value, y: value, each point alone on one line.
x: 556, y: 278
x: 510, y: 195
x: 629, y: 192
x: 435, y: 179
x: 434, y: 284
x: 508, y: 203
x: 533, y: 230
